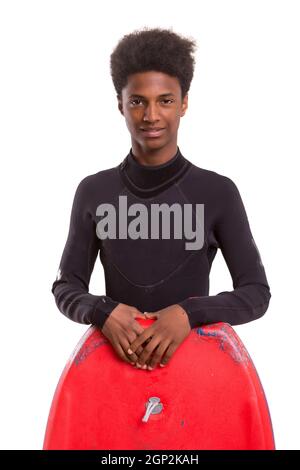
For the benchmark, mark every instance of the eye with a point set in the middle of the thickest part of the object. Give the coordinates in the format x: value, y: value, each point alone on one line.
x: 134, y: 101
x: 137, y: 101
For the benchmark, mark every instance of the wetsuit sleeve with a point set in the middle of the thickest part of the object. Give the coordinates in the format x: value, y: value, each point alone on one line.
x: 251, y: 295
x: 71, y: 287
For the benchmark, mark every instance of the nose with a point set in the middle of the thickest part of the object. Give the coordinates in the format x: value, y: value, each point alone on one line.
x: 151, y: 113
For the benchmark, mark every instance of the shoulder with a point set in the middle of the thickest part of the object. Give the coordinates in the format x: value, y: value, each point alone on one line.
x: 102, y: 179
x: 211, y: 175
x: 101, y: 176
x: 217, y: 184
x: 95, y: 187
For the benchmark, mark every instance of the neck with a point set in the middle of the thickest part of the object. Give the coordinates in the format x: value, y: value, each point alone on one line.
x: 153, y: 157
x: 150, y: 180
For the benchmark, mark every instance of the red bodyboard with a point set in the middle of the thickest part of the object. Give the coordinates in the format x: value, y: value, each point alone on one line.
x: 210, y: 398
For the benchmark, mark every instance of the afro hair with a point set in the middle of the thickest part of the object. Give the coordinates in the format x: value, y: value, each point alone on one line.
x: 155, y: 49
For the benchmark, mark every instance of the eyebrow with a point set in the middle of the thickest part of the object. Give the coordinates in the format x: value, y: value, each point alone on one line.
x: 160, y: 96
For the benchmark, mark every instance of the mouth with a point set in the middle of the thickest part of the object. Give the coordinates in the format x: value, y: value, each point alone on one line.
x: 156, y: 132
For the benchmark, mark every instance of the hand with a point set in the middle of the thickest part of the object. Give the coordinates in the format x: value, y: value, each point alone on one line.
x: 165, y: 335
x: 121, y: 329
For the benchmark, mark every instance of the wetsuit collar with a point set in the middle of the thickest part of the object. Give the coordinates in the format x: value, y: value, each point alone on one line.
x: 146, y: 180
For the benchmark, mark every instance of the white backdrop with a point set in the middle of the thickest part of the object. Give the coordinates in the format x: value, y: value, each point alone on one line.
x: 60, y: 122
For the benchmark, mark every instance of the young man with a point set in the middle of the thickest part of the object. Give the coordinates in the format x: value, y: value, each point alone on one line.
x: 140, y: 216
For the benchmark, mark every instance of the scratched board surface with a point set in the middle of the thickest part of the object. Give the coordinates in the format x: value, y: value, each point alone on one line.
x: 208, y: 397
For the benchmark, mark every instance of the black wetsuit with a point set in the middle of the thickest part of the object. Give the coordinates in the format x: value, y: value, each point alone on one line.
x: 151, y: 274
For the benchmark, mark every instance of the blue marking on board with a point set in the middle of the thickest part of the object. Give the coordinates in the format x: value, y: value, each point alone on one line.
x: 226, y: 343
x: 201, y: 332
x: 86, y: 350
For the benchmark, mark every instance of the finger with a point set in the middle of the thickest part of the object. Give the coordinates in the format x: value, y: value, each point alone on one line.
x: 138, y: 351
x: 158, y: 354
x: 168, y: 354
x: 152, y: 315
x: 137, y: 328
x: 133, y: 358
x: 148, y: 350
x: 121, y: 353
x: 138, y: 314
x: 140, y: 340
x: 131, y: 337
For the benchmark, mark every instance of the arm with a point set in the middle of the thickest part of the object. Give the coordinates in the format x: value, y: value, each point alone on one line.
x: 251, y: 295
x: 71, y: 287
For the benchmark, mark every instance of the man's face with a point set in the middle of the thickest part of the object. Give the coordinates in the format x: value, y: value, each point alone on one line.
x: 152, y: 100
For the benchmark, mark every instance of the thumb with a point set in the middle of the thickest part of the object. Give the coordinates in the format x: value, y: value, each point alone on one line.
x: 151, y: 314
x: 139, y: 315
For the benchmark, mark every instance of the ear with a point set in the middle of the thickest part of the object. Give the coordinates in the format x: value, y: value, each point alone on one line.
x: 184, y: 105
x: 120, y: 104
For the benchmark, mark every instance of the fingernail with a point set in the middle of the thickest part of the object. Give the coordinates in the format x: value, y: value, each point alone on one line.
x: 162, y: 365
x: 138, y: 365
x: 144, y: 366
x: 129, y: 351
x: 150, y: 368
